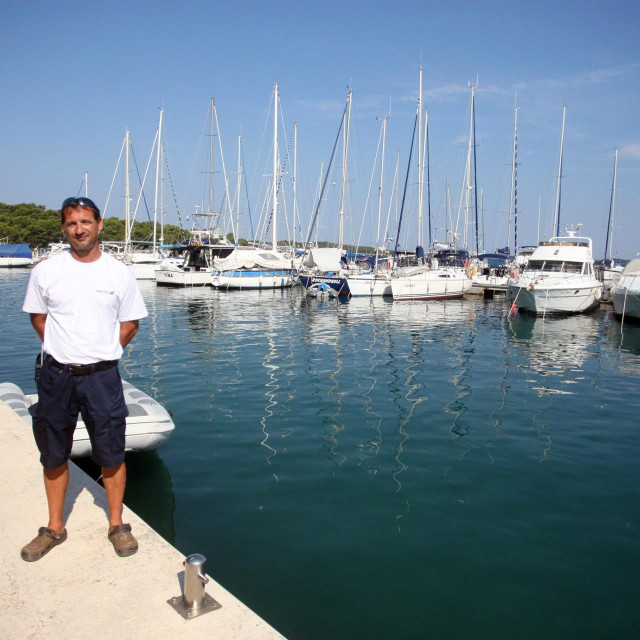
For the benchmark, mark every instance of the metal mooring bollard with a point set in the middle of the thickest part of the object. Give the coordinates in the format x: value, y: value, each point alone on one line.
x: 194, y: 581
x: 195, y: 600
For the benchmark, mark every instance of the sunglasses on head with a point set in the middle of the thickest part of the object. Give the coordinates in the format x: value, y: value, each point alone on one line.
x: 83, y: 202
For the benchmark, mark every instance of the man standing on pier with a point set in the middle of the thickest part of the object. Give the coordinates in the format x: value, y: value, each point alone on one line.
x: 85, y: 306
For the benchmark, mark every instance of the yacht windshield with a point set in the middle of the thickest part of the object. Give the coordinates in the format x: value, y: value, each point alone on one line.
x: 555, y: 266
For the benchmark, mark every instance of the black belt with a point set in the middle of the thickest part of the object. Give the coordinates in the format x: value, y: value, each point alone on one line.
x: 82, y: 369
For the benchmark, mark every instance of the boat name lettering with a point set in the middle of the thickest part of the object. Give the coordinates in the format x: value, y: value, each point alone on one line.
x: 331, y: 280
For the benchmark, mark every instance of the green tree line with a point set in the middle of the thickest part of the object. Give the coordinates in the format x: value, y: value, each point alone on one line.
x: 38, y: 227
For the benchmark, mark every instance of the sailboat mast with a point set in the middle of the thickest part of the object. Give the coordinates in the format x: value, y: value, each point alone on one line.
x: 384, y: 135
x: 295, y: 176
x: 559, y: 183
x: 345, y: 158
x: 608, y: 245
x: 426, y: 127
x: 513, y: 205
x: 475, y: 174
x: 127, y: 195
x: 162, y: 212
x: 211, y: 145
x: 275, y: 167
x: 155, y: 202
x: 420, y: 160
x: 235, y: 237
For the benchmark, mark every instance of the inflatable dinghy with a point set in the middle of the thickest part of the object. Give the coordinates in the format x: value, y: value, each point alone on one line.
x: 149, y: 425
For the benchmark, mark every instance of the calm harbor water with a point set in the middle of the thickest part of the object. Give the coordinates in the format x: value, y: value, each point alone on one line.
x: 374, y: 469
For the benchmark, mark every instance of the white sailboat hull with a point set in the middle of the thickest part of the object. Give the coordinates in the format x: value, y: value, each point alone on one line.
x: 435, y: 284
x: 246, y: 279
x: 6, y: 262
x: 369, y: 284
x: 144, y: 270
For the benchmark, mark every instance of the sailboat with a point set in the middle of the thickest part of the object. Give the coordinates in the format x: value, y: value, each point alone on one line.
x: 496, y: 268
x: 143, y: 262
x: 15, y: 255
x: 206, y: 241
x: 248, y: 267
x: 443, y: 278
x: 328, y: 265
x: 376, y: 282
x: 559, y: 276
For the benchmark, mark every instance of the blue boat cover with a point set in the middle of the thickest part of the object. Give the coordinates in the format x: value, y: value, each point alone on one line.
x: 15, y: 251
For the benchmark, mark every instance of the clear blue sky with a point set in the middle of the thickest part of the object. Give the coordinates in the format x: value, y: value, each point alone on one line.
x: 76, y: 75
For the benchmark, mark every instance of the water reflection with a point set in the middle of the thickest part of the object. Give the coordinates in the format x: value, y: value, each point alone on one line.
x: 623, y: 342
x: 555, y: 346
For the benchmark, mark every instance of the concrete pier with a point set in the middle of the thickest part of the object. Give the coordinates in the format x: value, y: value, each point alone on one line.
x: 81, y: 589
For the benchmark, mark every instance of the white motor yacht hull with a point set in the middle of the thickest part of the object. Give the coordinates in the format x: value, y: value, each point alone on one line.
x: 176, y: 277
x: 542, y: 297
x: 149, y: 425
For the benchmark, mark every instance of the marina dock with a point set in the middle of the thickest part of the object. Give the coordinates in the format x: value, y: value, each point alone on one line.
x: 81, y: 589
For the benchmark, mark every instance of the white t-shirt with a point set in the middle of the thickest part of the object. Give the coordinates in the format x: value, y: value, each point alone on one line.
x: 85, y: 303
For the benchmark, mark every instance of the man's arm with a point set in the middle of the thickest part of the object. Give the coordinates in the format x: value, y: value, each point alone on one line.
x: 38, y: 321
x: 128, y: 329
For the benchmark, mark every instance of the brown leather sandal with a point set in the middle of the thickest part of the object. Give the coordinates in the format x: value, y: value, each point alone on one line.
x: 122, y: 540
x: 42, y: 544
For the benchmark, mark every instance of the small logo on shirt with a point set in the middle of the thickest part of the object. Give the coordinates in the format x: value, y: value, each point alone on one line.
x: 109, y: 293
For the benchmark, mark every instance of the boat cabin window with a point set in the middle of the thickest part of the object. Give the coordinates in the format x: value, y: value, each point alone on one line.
x: 197, y: 259
x: 555, y: 266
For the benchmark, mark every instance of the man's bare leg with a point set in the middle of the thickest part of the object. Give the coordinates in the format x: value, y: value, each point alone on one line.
x: 56, y: 482
x: 115, y: 480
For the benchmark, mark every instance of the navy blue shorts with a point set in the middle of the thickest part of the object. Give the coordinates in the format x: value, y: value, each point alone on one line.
x: 98, y: 397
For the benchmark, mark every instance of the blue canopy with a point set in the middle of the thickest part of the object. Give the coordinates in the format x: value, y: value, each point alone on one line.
x: 15, y: 251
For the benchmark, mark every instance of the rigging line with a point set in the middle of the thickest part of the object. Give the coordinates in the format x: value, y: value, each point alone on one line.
x: 80, y: 187
x: 144, y: 198
x: 279, y: 185
x: 324, y: 183
x: 246, y: 189
x: 173, y: 191
x: 366, y: 205
x: 404, y: 193
x: 114, y: 177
